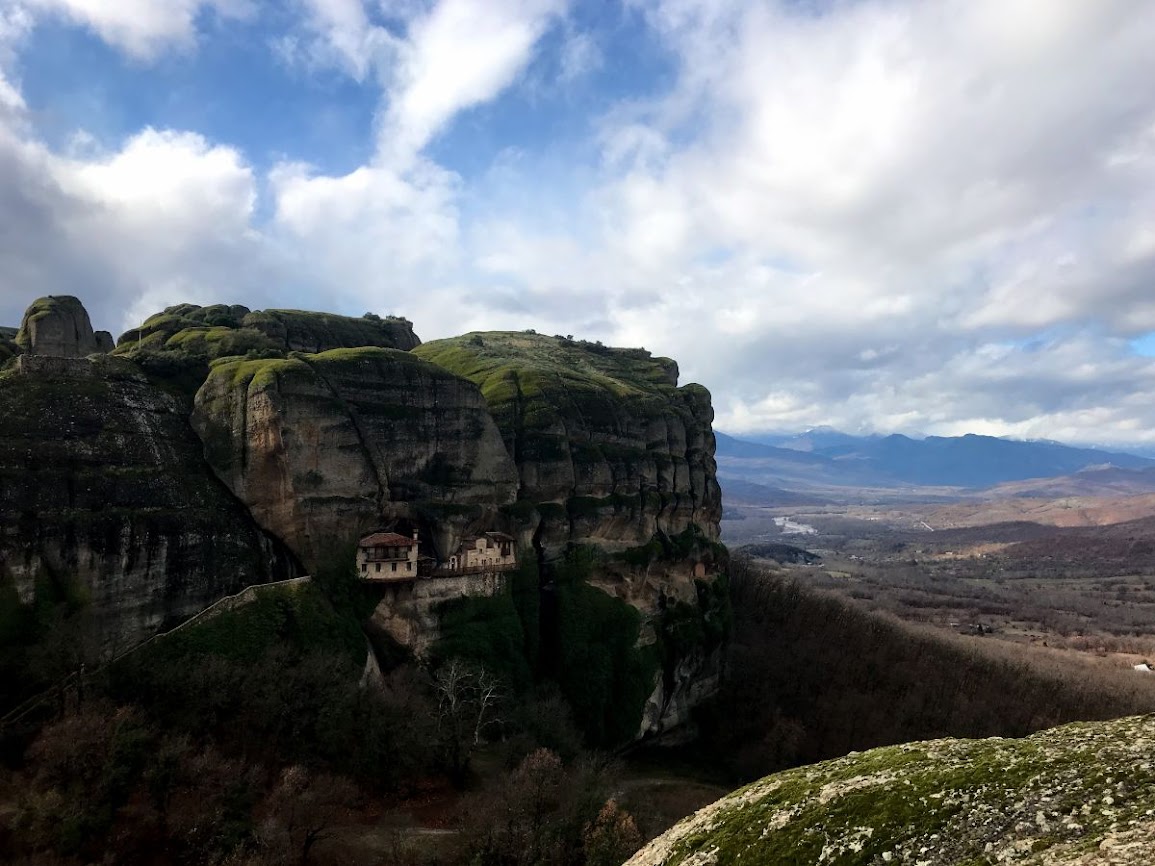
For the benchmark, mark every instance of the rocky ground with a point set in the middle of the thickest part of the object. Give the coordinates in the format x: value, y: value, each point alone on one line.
x: 1078, y: 795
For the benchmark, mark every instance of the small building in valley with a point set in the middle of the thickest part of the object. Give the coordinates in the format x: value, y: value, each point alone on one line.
x: 387, y: 556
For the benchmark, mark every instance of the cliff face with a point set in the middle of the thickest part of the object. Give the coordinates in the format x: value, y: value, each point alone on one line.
x: 1080, y: 795
x: 158, y: 476
x: 105, y: 491
x: 610, y: 452
x: 608, y: 449
x: 323, y: 448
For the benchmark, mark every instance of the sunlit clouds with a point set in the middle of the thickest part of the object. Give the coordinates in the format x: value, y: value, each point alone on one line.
x: 881, y: 215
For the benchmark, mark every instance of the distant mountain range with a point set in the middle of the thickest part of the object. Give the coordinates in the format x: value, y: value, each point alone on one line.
x: 824, y: 458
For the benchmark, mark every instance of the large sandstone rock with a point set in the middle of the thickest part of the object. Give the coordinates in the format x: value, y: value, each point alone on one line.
x: 58, y: 325
x: 105, y: 493
x: 1079, y: 795
x: 303, y: 331
x: 323, y: 448
x: 609, y: 450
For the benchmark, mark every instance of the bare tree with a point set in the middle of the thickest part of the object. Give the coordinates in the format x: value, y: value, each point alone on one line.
x: 468, y: 698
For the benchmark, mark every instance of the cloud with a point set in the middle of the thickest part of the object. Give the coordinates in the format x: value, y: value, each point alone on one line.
x: 141, y: 28
x: 374, y: 237
x: 885, y: 214
x: 15, y: 23
x: 580, y: 55
x: 387, y: 236
x: 461, y: 54
x: 933, y: 179
x: 164, y: 219
x: 341, y: 34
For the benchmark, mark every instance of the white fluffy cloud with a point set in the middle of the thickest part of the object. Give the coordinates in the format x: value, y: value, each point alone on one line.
x: 460, y: 54
x: 142, y: 28
x: 340, y: 33
x: 167, y: 218
x: 887, y: 214
x: 866, y: 209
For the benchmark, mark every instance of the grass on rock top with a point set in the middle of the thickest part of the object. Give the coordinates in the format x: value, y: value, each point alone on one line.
x: 386, y: 363
x: 498, y: 361
x: 530, y: 381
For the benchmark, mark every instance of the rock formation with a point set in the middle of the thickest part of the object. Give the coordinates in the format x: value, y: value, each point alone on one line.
x: 608, y: 449
x: 106, y: 495
x: 610, y: 452
x: 221, y: 330
x: 58, y: 325
x: 322, y: 448
x: 1078, y: 795
x: 319, y: 332
x: 316, y: 429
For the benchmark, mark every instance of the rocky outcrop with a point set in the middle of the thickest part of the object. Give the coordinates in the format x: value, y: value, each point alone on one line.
x: 107, y: 497
x: 611, y: 453
x: 410, y: 613
x: 323, y: 448
x: 236, y: 427
x: 1079, y: 795
x: 58, y: 325
x: 302, y: 331
x: 221, y: 330
x: 609, y: 450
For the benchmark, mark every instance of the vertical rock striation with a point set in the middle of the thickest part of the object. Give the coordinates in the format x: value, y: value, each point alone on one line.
x: 608, y: 448
x: 611, y: 453
x: 325, y: 447
x: 106, y: 493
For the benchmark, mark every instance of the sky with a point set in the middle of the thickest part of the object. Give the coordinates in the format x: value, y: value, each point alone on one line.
x: 932, y: 216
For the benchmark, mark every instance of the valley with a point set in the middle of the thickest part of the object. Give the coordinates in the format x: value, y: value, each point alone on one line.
x: 1065, y: 563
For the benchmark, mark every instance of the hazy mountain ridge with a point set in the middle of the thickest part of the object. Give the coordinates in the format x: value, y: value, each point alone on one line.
x: 825, y: 458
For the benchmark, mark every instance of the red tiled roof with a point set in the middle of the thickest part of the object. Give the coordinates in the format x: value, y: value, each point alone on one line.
x: 386, y: 539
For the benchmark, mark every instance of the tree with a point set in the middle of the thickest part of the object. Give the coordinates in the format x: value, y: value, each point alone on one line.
x: 468, y: 697
x: 303, y: 808
x: 612, y: 837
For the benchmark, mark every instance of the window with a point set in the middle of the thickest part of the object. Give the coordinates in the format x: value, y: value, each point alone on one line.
x: 378, y: 568
x: 409, y: 566
x: 394, y: 566
x: 364, y: 567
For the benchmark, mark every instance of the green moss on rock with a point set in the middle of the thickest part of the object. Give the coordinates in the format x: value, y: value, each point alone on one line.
x: 185, y: 335
x: 607, y: 431
x: 304, y: 331
x: 1055, y: 798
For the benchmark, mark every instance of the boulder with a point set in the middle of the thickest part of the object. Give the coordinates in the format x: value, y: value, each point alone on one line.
x: 58, y: 325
